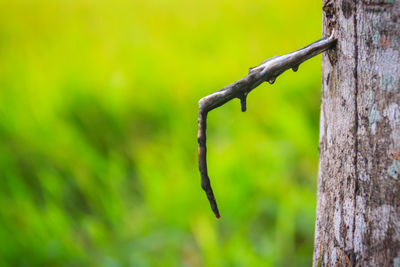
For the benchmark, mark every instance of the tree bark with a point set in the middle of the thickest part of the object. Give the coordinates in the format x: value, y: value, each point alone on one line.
x: 358, y: 208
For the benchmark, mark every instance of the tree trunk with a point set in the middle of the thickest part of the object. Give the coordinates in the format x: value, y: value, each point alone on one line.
x: 358, y: 209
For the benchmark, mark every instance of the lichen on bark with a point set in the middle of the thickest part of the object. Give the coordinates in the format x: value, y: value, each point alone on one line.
x: 358, y: 204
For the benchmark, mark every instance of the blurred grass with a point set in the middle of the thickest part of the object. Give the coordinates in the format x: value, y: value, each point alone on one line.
x: 98, y: 117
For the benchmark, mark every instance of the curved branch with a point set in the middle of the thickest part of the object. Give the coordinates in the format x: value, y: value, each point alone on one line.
x: 266, y: 71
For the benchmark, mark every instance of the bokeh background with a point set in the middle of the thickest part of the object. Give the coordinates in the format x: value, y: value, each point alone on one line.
x: 98, y: 125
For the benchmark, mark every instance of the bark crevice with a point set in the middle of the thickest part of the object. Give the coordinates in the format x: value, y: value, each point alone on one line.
x: 356, y: 88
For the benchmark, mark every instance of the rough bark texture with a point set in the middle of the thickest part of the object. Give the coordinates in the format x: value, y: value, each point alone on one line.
x: 358, y: 209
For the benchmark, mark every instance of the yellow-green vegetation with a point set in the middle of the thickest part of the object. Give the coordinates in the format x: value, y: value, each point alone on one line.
x: 98, y: 122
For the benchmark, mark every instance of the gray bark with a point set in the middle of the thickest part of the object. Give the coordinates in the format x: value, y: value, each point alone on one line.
x: 358, y: 208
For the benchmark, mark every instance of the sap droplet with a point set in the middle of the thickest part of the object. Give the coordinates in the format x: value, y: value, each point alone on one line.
x: 271, y: 81
x: 243, y: 102
x: 295, y: 68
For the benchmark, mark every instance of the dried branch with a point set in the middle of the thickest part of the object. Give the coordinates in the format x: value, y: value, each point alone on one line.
x: 266, y: 71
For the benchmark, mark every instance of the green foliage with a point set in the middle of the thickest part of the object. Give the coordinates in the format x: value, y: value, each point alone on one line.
x: 98, y: 155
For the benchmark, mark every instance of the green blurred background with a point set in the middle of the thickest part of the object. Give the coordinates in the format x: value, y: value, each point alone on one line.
x: 98, y: 126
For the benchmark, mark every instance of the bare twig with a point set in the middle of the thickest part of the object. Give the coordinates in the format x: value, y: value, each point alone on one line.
x: 266, y: 71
